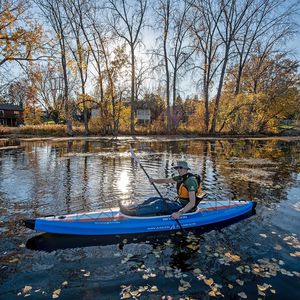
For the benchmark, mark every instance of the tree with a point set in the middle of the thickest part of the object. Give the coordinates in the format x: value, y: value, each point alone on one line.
x: 260, y: 109
x: 127, y: 19
x: 53, y: 13
x: 207, y: 44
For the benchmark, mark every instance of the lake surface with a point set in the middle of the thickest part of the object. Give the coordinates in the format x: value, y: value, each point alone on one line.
x: 258, y: 257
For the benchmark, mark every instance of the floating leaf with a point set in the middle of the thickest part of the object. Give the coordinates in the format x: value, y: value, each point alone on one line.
x: 182, y: 288
x: 212, y: 294
x: 65, y: 283
x: 197, y: 271
x: 232, y: 257
x: 277, y: 247
x: 263, y: 287
x: 126, y: 295
x: 193, y: 246
x: 56, y: 293
x: 230, y: 286
x: 87, y: 274
x: 209, y: 281
x: 242, y: 295
x: 263, y: 235
x: 240, y: 282
x: 295, y: 254
x: 153, y: 289
x: 26, y: 289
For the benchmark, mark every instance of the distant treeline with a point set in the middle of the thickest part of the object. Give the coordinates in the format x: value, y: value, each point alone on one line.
x: 61, y: 59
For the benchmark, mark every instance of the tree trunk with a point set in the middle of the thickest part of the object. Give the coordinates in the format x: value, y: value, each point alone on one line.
x: 132, y: 129
x: 217, y: 101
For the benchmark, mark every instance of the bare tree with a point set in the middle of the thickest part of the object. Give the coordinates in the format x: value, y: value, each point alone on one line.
x: 269, y: 25
x: 81, y: 53
x: 52, y: 11
x: 127, y: 19
x: 172, y: 17
x: 163, y: 12
x: 233, y: 17
x: 207, y: 45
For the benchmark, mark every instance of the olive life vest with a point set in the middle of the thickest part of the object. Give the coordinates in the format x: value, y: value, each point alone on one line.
x: 182, y: 190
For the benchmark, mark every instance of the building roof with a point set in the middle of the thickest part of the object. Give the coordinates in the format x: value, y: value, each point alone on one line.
x: 10, y: 107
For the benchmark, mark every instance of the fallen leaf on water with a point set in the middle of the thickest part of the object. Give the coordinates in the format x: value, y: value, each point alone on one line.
x: 14, y: 260
x: 182, y: 288
x: 240, y: 282
x: 232, y: 257
x: 56, y: 293
x: 126, y: 295
x: 263, y: 235
x: 197, y: 271
x: 135, y: 293
x: 242, y: 295
x: 153, y: 289
x: 212, y: 294
x: 143, y: 288
x: 87, y: 274
x: 230, y: 286
x: 263, y: 287
x: 209, y: 281
x: 65, y: 283
x: 277, y: 247
x: 295, y: 254
x: 26, y: 289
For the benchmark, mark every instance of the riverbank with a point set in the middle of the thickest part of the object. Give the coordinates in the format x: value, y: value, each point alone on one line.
x: 13, y: 142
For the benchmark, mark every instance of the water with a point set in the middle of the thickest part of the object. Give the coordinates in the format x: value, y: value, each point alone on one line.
x: 257, y: 257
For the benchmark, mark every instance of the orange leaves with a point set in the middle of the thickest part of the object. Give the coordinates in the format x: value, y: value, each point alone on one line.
x: 18, y: 35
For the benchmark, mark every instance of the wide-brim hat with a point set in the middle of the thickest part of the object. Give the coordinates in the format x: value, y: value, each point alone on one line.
x: 182, y: 165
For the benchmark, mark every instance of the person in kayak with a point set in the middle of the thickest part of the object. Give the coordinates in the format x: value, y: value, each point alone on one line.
x: 189, y: 188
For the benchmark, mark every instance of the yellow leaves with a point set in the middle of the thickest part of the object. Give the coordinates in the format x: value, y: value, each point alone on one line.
x: 56, y: 293
x: 232, y: 257
x: 295, y: 254
x: 26, y: 289
x: 208, y: 281
x: 184, y: 285
x: 263, y: 287
x: 128, y: 293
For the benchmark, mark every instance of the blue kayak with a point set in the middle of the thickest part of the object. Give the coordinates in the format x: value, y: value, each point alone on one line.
x: 115, y: 222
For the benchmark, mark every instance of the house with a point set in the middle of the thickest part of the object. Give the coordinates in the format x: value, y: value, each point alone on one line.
x: 11, y: 115
x: 143, y: 115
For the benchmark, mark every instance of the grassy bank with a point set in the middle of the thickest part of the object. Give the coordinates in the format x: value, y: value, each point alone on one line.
x: 59, y: 130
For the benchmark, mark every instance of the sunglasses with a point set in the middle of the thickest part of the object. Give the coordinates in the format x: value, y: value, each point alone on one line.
x: 178, y: 168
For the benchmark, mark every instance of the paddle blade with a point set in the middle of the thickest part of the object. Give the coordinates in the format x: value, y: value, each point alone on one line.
x: 134, y: 156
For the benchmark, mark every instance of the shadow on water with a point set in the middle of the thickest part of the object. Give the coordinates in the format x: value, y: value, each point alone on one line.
x: 49, y: 242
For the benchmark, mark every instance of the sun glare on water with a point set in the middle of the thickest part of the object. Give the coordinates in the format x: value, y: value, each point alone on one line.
x: 123, y: 182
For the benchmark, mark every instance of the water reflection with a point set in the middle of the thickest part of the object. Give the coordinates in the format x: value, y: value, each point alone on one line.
x: 61, y: 177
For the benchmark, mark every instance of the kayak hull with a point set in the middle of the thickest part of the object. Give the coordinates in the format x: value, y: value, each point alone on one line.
x: 114, y: 222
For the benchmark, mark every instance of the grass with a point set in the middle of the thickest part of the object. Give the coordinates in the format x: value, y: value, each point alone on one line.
x: 41, y: 130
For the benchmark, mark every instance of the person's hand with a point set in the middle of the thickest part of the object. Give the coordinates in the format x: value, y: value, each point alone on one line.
x: 176, y: 215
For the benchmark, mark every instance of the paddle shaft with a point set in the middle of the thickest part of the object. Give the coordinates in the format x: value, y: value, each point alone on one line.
x: 142, y: 167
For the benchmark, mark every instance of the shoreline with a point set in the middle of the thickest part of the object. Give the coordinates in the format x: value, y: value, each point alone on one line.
x: 133, y: 138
